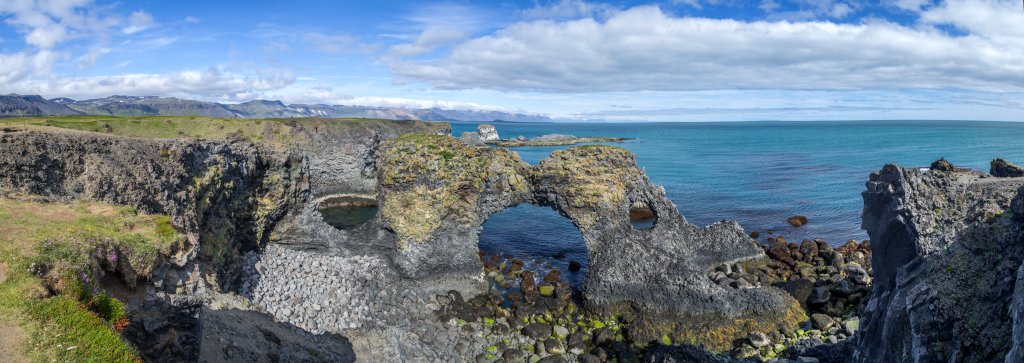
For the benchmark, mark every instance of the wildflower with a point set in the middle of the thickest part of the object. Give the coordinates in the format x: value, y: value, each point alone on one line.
x: 112, y: 256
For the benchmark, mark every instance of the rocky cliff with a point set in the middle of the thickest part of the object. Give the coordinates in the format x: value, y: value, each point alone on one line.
x: 947, y: 258
x: 228, y: 195
x: 250, y: 205
x: 436, y: 193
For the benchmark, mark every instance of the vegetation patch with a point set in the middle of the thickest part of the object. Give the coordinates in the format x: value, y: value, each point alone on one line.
x: 56, y: 254
x: 276, y: 132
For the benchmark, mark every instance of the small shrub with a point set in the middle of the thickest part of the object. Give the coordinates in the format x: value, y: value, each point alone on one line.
x: 108, y: 308
x: 447, y: 155
x: 164, y: 227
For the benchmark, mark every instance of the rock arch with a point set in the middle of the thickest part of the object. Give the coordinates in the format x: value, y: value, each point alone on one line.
x: 435, y: 193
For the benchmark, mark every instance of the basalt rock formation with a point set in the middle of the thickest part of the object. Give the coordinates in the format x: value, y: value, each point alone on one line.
x: 250, y: 206
x: 436, y: 193
x: 1005, y: 169
x: 948, y: 246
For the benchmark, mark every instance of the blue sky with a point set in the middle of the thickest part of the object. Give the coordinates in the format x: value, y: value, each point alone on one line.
x: 677, y: 60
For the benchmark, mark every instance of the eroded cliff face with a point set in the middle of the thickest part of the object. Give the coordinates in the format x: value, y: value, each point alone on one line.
x: 251, y: 211
x: 227, y: 195
x: 947, y: 254
x: 436, y: 193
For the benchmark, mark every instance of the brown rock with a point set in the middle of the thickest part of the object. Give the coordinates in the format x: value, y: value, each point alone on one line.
x: 848, y: 248
x: 780, y: 252
x: 553, y: 276
x: 515, y: 265
x: 755, y: 234
x: 809, y: 250
x: 797, y: 220
x: 942, y: 165
x: 529, y: 281
x: 1005, y: 169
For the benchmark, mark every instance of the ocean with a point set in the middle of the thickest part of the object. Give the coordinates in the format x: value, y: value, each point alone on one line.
x: 757, y: 173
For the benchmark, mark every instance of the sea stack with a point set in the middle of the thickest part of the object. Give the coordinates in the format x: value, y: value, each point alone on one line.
x: 488, y: 133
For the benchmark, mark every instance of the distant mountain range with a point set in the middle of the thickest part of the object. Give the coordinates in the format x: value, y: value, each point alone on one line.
x: 19, y: 105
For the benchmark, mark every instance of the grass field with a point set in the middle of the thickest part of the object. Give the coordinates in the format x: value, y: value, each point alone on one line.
x: 78, y: 322
x: 277, y: 132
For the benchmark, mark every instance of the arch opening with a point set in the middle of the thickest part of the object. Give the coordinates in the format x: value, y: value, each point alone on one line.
x: 641, y: 216
x: 528, y: 237
x: 348, y: 212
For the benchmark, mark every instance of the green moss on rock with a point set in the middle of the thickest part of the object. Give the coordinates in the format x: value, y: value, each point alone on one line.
x: 427, y: 180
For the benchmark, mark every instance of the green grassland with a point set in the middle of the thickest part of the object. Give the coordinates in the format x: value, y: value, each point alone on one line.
x: 49, y: 287
x: 277, y: 132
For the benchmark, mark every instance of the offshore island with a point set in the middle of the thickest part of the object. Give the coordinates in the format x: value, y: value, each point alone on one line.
x: 208, y: 239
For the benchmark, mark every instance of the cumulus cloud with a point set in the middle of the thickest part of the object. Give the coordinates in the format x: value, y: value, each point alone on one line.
x: 644, y: 48
x: 15, y: 67
x: 215, y: 83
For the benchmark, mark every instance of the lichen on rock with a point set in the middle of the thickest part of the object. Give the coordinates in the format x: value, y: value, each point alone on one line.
x: 428, y: 180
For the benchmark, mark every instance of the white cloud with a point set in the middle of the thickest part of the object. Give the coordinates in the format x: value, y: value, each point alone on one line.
x: 45, y: 24
x: 215, y: 83
x: 139, y: 21
x: 644, y: 48
x: 16, y: 67
x: 191, y: 20
x: 429, y: 40
x: 840, y: 10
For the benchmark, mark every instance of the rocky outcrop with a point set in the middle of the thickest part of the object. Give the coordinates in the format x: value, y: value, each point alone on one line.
x: 251, y: 211
x: 1005, y: 169
x: 436, y: 193
x: 227, y: 195
x: 488, y: 132
x: 942, y: 165
x: 947, y: 250
x: 472, y: 139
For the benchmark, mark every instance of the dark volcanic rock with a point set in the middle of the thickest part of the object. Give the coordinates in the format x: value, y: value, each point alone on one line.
x: 946, y: 261
x: 797, y: 221
x: 537, y: 331
x: 687, y: 354
x: 1005, y: 169
x: 942, y: 165
x: 658, y: 271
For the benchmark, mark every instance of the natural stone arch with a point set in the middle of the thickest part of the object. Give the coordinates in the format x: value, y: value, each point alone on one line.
x: 537, y: 232
x: 435, y: 193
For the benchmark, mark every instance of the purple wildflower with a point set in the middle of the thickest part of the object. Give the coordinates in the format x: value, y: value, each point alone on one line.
x: 112, y: 256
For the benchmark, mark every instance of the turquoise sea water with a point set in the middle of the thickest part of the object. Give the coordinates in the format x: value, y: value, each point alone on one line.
x: 759, y: 173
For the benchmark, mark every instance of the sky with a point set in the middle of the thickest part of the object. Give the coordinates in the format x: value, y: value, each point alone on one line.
x: 675, y: 60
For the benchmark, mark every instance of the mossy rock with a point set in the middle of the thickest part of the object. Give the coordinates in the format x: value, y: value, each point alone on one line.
x: 427, y: 180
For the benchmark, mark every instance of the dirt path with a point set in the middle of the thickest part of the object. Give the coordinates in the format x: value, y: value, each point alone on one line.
x: 12, y: 341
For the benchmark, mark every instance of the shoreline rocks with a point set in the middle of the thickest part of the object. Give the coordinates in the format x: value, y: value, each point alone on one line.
x: 1004, y: 169
x: 829, y: 283
x: 948, y: 254
x: 797, y: 221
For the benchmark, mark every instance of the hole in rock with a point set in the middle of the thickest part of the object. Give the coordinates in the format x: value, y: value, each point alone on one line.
x: 540, y: 239
x: 347, y: 212
x: 641, y: 216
